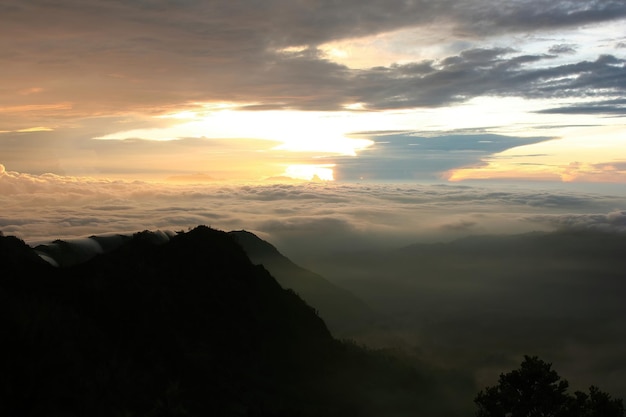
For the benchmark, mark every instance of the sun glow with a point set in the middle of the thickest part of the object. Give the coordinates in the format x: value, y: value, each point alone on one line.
x: 299, y: 131
x: 311, y: 172
x: 580, y: 154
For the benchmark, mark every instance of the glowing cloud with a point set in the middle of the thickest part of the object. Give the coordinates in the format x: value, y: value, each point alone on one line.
x: 582, y: 154
x: 310, y: 172
x: 319, y: 132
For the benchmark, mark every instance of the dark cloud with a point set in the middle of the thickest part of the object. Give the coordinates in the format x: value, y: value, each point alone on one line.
x: 608, y: 107
x: 93, y: 57
x: 563, y: 48
x: 489, y: 17
x: 481, y: 72
x: 400, y: 157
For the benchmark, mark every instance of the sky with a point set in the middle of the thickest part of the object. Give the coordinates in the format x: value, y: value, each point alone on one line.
x: 321, y: 126
x: 400, y: 90
x: 352, y: 118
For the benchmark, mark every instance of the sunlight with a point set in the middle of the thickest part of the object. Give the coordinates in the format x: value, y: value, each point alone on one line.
x: 389, y: 48
x: 311, y: 172
x: 36, y: 129
x: 593, y: 154
x: 299, y: 131
x: 584, y: 153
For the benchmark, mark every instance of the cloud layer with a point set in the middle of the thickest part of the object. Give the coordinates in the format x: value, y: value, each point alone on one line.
x: 304, y: 220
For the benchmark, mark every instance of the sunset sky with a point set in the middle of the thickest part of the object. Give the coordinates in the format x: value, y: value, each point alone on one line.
x: 332, y: 127
x: 398, y: 91
x: 190, y: 90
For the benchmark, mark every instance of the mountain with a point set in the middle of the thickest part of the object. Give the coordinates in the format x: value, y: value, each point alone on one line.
x: 347, y: 316
x: 187, y: 326
x: 482, y: 302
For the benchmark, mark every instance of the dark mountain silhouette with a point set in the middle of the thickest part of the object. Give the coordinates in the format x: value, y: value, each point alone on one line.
x: 185, y: 327
x: 347, y: 316
x: 75, y: 251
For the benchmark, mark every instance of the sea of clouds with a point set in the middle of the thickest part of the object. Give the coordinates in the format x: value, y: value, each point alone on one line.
x: 470, y: 317
x: 301, y: 219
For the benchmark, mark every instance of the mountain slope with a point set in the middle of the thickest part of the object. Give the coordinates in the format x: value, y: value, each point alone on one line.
x: 187, y: 327
x: 346, y: 315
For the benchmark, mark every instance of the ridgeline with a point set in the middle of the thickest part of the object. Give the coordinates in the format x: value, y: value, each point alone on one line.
x: 189, y: 326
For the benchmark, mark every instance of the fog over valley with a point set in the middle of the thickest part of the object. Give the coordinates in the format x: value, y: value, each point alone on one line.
x: 467, y: 279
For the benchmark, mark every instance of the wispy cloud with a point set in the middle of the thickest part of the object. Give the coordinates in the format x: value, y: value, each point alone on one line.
x: 602, y: 107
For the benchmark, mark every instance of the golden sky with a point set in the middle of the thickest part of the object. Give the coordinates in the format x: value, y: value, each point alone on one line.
x: 351, y: 91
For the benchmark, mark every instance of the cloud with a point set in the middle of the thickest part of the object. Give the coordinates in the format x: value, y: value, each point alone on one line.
x: 303, y: 225
x: 487, y: 72
x: 563, y: 48
x: 408, y: 156
x: 614, y: 221
x: 114, y: 57
x: 487, y: 17
x: 602, y: 172
x: 304, y: 220
x: 73, y: 152
x: 94, y: 69
x: 77, y: 250
x: 608, y: 107
x: 460, y: 225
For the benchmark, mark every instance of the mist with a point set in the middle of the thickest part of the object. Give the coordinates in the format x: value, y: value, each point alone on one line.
x: 469, y: 278
x: 480, y: 303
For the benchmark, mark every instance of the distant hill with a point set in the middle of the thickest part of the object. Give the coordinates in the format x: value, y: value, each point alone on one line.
x: 346, y: 315
x: 189, y: 326
x: 481, y: 302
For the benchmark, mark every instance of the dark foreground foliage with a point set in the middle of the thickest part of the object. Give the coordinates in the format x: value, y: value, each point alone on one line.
x: 536, y: 390
x: 189, y: 327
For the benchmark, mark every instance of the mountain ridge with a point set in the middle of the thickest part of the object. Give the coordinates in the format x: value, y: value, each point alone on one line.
x: 346, y: 315
x: 187, y: 327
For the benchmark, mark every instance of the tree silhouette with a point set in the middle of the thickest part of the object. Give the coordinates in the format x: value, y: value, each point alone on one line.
x: 536, y: 390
